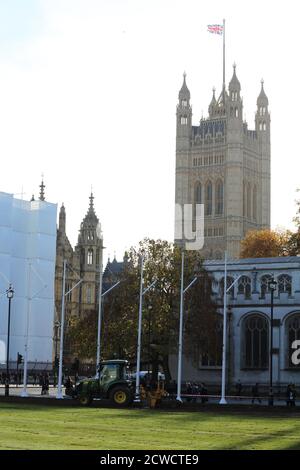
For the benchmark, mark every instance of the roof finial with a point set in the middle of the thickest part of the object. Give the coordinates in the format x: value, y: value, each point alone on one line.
x: 42, y: 189
x: 184, y: 75
x: 91, y: 200
x: 262, y: 82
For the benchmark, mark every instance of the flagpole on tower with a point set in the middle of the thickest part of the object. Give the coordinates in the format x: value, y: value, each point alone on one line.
x: 224, y: 61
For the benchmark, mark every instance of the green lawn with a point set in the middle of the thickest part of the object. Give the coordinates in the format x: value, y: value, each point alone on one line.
x: 40, y: 427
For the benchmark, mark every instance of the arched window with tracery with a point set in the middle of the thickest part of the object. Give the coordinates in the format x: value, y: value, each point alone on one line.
x: 198, y: 193
x: 244, y: 286
x: 90, y: 256
x: 292, y: 329
x: 244, y: 199
x: 256, y: 342
x: 254, y: 203
x: 219, y: 197
x: 285, y: 284
x: 264, y: 285
x: 88, y: 294
x: 197, y: 200
x: 248, y: 201
x: 211, y: 355
x: 208, y: 198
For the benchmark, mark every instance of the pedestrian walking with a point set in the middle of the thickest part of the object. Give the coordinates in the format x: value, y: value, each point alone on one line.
x: 203, y: 393
x: 238, y: 387
x: 255, y: 393
x: 290, y: 395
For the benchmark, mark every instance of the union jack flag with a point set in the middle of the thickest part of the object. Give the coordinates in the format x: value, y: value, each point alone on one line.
x: 215, y: 28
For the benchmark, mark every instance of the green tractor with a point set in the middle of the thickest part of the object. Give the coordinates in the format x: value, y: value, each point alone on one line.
x: 112, y: 384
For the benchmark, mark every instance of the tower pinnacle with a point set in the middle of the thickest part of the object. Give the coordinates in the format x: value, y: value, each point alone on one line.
x: 42, y: 191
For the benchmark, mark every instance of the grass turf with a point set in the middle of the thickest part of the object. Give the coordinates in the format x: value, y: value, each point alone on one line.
x: 39, y: 427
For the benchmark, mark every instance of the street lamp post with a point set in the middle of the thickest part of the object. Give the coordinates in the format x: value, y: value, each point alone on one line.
x: 10, y: 294
x: 272, y: 287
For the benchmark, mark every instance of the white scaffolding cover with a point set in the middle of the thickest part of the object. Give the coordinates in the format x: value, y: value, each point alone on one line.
x: 27, y: 261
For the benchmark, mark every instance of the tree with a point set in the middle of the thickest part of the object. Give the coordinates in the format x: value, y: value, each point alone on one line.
x: 203, y: 325
x: 264, y: 244
x: 162, y: 262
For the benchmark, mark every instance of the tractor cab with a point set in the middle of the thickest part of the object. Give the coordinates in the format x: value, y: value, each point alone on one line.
x: 111, y: 384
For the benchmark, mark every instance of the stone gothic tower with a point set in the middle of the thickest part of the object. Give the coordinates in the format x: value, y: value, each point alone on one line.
x: 89, y: 251
x: 225, y: 166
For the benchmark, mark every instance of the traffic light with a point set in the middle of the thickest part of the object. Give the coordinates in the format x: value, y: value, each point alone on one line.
x: 19, y: 359
x: 56, y: 362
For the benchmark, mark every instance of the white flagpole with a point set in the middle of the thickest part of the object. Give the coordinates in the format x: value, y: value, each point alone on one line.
x: 223, y: 399
x: 29, y: 299
x: 224, y: 54
x: 178, y: 398
x: 62, y: 321
x: 99, y: 317
x: 138, y: 358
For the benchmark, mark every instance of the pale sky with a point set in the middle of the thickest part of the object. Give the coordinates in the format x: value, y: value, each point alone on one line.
x: 88, y: 95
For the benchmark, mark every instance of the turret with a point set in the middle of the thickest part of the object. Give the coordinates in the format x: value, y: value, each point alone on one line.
x: 184, y: 116
x: 213, y: 104
x: 262, y: 117
x: 62, y: 219
x: 235, y: 102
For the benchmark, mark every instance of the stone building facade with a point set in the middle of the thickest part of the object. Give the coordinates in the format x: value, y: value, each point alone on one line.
x: 83, y: 262
x: 249, y: 326
x: 225, y: 166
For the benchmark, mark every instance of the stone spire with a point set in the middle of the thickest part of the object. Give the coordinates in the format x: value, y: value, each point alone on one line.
x: 262, y: 99
x: 184, y: 93
x: 234, y: 84
x: 62, y: 219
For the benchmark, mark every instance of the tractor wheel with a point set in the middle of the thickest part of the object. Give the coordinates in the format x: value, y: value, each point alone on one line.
x: 85, y: 400
x: 120, y: 396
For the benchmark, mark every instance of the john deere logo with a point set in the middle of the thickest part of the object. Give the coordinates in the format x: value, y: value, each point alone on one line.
x: 296, y: 354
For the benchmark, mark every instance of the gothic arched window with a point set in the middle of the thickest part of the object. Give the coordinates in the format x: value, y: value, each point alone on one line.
x: 90, y: 256
x: 198, y: 193
x: 256, y: 342
x: 285, y: 284
x: 264, y: 285
x: 254, y: 203
x: 88, y: 294
x: 292, y: 330
x: 208, y: 198
x: 244, y: 199
x: 184, y: 120
x: 211, y: 355
x: 248, y: 201
x: 219, y: 197
x: 244, y: 286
